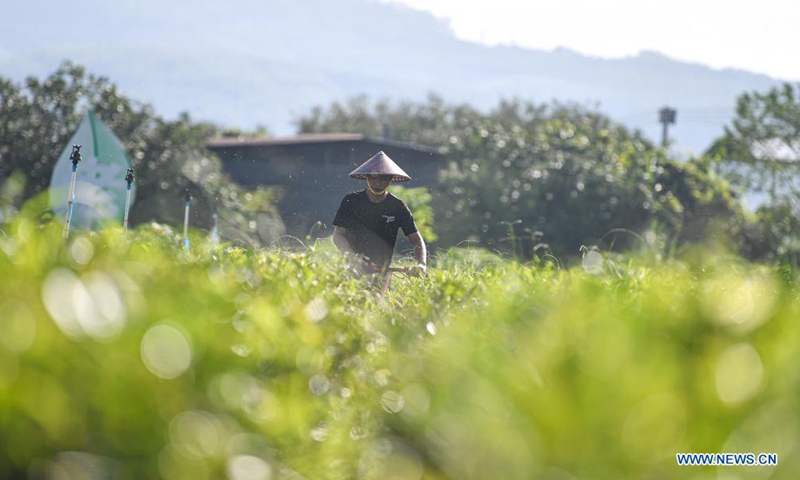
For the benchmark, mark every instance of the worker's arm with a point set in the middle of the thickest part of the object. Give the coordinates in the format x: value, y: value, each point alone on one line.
x: 420, y: 251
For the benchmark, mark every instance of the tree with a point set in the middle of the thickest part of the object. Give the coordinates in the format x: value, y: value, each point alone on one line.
x: 760, y: 155
x: 430, y: 123
x: 565, y: 177
x: 760, y: 151
x: 169, y: 157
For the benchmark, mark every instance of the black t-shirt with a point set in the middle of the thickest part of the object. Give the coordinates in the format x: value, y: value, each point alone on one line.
x: 372, y: 227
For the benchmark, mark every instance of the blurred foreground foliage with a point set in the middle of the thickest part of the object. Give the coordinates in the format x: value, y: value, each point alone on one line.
x: 124, y: 356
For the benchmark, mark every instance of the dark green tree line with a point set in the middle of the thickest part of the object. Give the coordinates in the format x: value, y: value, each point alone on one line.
x: 525, y: 176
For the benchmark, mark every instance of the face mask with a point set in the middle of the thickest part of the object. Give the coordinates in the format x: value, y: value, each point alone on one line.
x: 374, y: 192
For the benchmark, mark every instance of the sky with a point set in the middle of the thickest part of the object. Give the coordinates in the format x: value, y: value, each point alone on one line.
x: 760, y: 37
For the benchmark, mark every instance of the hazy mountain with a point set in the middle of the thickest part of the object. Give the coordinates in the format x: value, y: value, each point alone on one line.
x: 248, y: 62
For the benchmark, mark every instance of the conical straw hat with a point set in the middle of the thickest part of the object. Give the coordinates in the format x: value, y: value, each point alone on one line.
x: 380, y: 164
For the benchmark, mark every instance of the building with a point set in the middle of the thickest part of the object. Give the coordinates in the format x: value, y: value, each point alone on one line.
x: 312, y: 170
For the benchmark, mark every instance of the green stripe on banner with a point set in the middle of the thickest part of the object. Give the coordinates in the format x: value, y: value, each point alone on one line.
x: 94, y: 135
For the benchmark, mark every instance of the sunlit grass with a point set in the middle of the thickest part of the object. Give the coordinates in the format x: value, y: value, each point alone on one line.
x: 121, y: 353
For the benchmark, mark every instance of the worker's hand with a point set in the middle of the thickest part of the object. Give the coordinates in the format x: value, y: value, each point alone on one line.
x: 356, y: 260
x: 417, y: 270
x: 362, y: 262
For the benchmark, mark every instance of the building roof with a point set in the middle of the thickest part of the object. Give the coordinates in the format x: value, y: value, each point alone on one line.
x: 308, y: 138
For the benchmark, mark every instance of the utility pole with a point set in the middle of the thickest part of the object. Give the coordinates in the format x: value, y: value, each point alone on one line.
x: 666, y: 116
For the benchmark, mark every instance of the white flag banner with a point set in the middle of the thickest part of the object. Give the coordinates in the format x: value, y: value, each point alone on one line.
x: 100, y: 190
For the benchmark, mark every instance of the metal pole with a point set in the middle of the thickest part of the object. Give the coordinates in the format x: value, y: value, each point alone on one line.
x: 215, y: 230
x: 129, y: 179
x: 75, y: 156
x: 187, y: 199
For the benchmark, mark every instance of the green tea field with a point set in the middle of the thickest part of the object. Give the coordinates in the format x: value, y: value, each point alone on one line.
x: 123, y: 356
